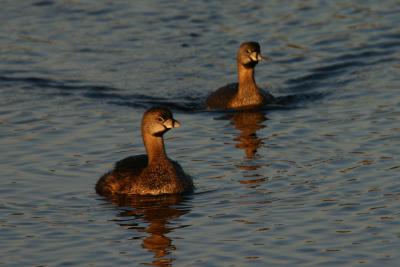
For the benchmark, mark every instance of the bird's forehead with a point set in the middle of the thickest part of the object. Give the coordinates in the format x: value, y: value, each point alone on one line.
x: 164, y: 113
x: 251, y: 46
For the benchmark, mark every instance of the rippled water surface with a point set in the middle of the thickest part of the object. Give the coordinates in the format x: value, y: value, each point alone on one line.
x: 311, y: 182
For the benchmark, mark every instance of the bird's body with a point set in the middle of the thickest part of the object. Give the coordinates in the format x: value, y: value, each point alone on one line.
x: 229, y: 97
x: 245, y: 93
x: 151, y: 174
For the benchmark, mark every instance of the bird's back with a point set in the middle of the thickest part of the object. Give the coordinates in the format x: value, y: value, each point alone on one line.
x: 125, y: 172
x: 221, y: 98
x: 227, y: 97
x: 133, y: 175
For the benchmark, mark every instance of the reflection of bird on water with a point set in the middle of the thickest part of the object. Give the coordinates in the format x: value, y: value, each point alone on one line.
x: 248, y: 123
x: 158, y: 212
x: 245, y: 93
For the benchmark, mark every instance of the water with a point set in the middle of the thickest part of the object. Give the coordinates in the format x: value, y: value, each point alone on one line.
x: 314, y: 182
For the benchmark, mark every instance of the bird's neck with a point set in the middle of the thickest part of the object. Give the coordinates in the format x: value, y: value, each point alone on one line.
x: 155, y: 148
x: 247, y: 84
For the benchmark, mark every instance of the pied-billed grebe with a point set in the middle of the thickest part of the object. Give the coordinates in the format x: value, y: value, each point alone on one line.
x: 151, y: 174
x: 244, y: 94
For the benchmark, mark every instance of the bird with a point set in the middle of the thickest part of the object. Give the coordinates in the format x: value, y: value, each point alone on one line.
x: 244, y: 94
x: 150, y: 174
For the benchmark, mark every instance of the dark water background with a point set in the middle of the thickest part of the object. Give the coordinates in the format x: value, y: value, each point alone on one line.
x: 314, y: 182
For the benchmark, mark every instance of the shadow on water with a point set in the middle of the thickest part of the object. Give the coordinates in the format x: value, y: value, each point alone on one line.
x: 299, y: 90
x: 153, y: 216
x: 108, y: 94
x: 334, y: 67
x: 115, y: 96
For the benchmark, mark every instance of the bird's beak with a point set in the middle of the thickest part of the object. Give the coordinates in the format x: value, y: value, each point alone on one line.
x: 258, y: 57
x: 254, y: 56
x: 263, y: 57
x: 171, y: 123
x: 176, y: 124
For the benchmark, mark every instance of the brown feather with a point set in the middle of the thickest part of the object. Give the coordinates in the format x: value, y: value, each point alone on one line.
x: 151, y: 174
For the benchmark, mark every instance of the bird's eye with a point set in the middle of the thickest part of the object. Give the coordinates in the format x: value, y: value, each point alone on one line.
x: 248, y: 51
x: 160, y: 119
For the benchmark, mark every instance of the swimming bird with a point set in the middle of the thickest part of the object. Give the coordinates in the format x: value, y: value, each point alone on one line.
x: 151, y: 174
x: 245, y: 93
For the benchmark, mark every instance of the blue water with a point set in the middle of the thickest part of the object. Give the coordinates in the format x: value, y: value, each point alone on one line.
x: 313, y: 181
